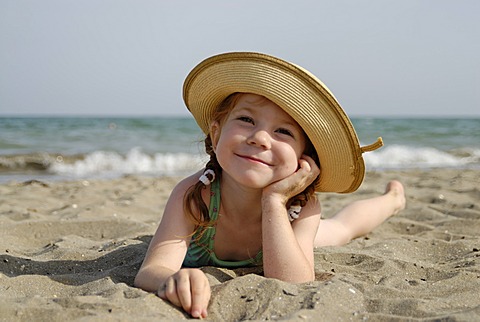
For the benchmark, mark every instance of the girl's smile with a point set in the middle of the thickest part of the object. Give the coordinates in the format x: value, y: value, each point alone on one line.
x: 253, y: 159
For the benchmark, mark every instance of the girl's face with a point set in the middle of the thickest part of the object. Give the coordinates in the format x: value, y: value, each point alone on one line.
x: 258, y: 143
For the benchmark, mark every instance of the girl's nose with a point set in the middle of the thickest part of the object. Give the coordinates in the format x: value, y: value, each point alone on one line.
x: 260, y: 138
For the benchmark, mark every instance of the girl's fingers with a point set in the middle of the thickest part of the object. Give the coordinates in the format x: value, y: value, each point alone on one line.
x: 310, y: 169
x: 309, y: 165
x: 171, y: 292
x: 200, y: 297
x: 184, y: 293
x: 306, y: 173
x: 189, y: 290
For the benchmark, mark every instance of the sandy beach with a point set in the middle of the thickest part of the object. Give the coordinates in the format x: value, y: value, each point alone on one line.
x: 69, y: 251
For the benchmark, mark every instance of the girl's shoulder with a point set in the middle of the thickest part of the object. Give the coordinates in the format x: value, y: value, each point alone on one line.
x: 183, y: 187
x: 186, y: 183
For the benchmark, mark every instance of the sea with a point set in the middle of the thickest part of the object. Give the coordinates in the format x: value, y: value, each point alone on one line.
x: 73, y: 148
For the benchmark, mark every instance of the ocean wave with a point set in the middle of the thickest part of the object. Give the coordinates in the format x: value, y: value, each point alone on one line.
x: 110, y: 164
x: 103, y: 163
x: 407, y: 157
x: 33, y: 161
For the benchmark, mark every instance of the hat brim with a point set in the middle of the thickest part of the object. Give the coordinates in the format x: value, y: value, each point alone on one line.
x: 304, y: 97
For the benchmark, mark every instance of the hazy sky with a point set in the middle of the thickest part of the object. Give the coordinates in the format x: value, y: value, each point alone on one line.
x: 118, y: 57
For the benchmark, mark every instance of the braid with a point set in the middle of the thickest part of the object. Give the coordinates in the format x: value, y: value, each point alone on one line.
x: 193, y: 202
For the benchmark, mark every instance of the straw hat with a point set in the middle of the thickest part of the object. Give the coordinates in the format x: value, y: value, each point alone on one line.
x: 303, y: 96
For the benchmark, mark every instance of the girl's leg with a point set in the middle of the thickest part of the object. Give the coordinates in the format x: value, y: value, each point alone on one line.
x: 360, y: 217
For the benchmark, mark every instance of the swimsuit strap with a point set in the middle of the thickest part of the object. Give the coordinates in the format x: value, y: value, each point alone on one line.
x: 215, y: 200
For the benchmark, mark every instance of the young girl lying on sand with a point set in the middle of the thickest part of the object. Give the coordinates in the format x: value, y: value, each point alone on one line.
x: 275, y: 136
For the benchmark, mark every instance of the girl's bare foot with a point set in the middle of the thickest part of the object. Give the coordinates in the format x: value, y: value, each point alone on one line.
x: 396, y: 190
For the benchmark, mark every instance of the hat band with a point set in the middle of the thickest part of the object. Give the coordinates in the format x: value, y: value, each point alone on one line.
x: 373, y: 146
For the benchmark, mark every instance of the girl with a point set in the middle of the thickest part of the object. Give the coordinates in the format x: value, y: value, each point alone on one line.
x: 275, y: 135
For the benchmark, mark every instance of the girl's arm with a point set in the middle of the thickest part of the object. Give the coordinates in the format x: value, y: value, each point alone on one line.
x: 288, y: 248
x: 161, y: 270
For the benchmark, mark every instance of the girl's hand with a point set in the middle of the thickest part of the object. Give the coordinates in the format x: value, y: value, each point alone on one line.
x: 295, y: 183
x: 189, y: 289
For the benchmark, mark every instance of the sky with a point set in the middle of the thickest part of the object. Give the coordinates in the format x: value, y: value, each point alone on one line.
x: 129, y: 58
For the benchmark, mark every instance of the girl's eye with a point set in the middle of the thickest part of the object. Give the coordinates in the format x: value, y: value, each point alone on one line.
x: 285, y: 131
x: 246, y: 119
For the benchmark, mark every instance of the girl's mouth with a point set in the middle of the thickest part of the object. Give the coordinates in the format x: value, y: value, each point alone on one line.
x: 253, y: 159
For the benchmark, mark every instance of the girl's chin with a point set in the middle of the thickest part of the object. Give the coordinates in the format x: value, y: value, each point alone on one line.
x: 254, y: 183
x: 255, y: 179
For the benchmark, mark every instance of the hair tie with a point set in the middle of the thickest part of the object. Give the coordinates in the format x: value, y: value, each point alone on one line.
x: 204, y: 179
x: 294, y: 212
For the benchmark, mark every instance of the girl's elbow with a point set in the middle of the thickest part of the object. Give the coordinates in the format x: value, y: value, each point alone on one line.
x: 141, y: 281
x: 138, y: 281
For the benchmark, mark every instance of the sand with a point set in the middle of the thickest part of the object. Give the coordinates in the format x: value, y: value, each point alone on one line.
x: 69, y: 251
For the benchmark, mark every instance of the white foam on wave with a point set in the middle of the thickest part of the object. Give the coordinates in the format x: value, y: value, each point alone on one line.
x: 103, y: 163
x: 401, y: 157
x: 108, y: 164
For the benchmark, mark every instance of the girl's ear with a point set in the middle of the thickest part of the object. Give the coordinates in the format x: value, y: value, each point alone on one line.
x: 214, y: 134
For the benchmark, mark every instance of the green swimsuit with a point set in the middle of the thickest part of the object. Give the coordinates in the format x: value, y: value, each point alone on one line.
x: 201, y: 250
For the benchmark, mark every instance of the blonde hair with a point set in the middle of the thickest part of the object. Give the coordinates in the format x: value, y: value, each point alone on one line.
x: 193, y: 201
